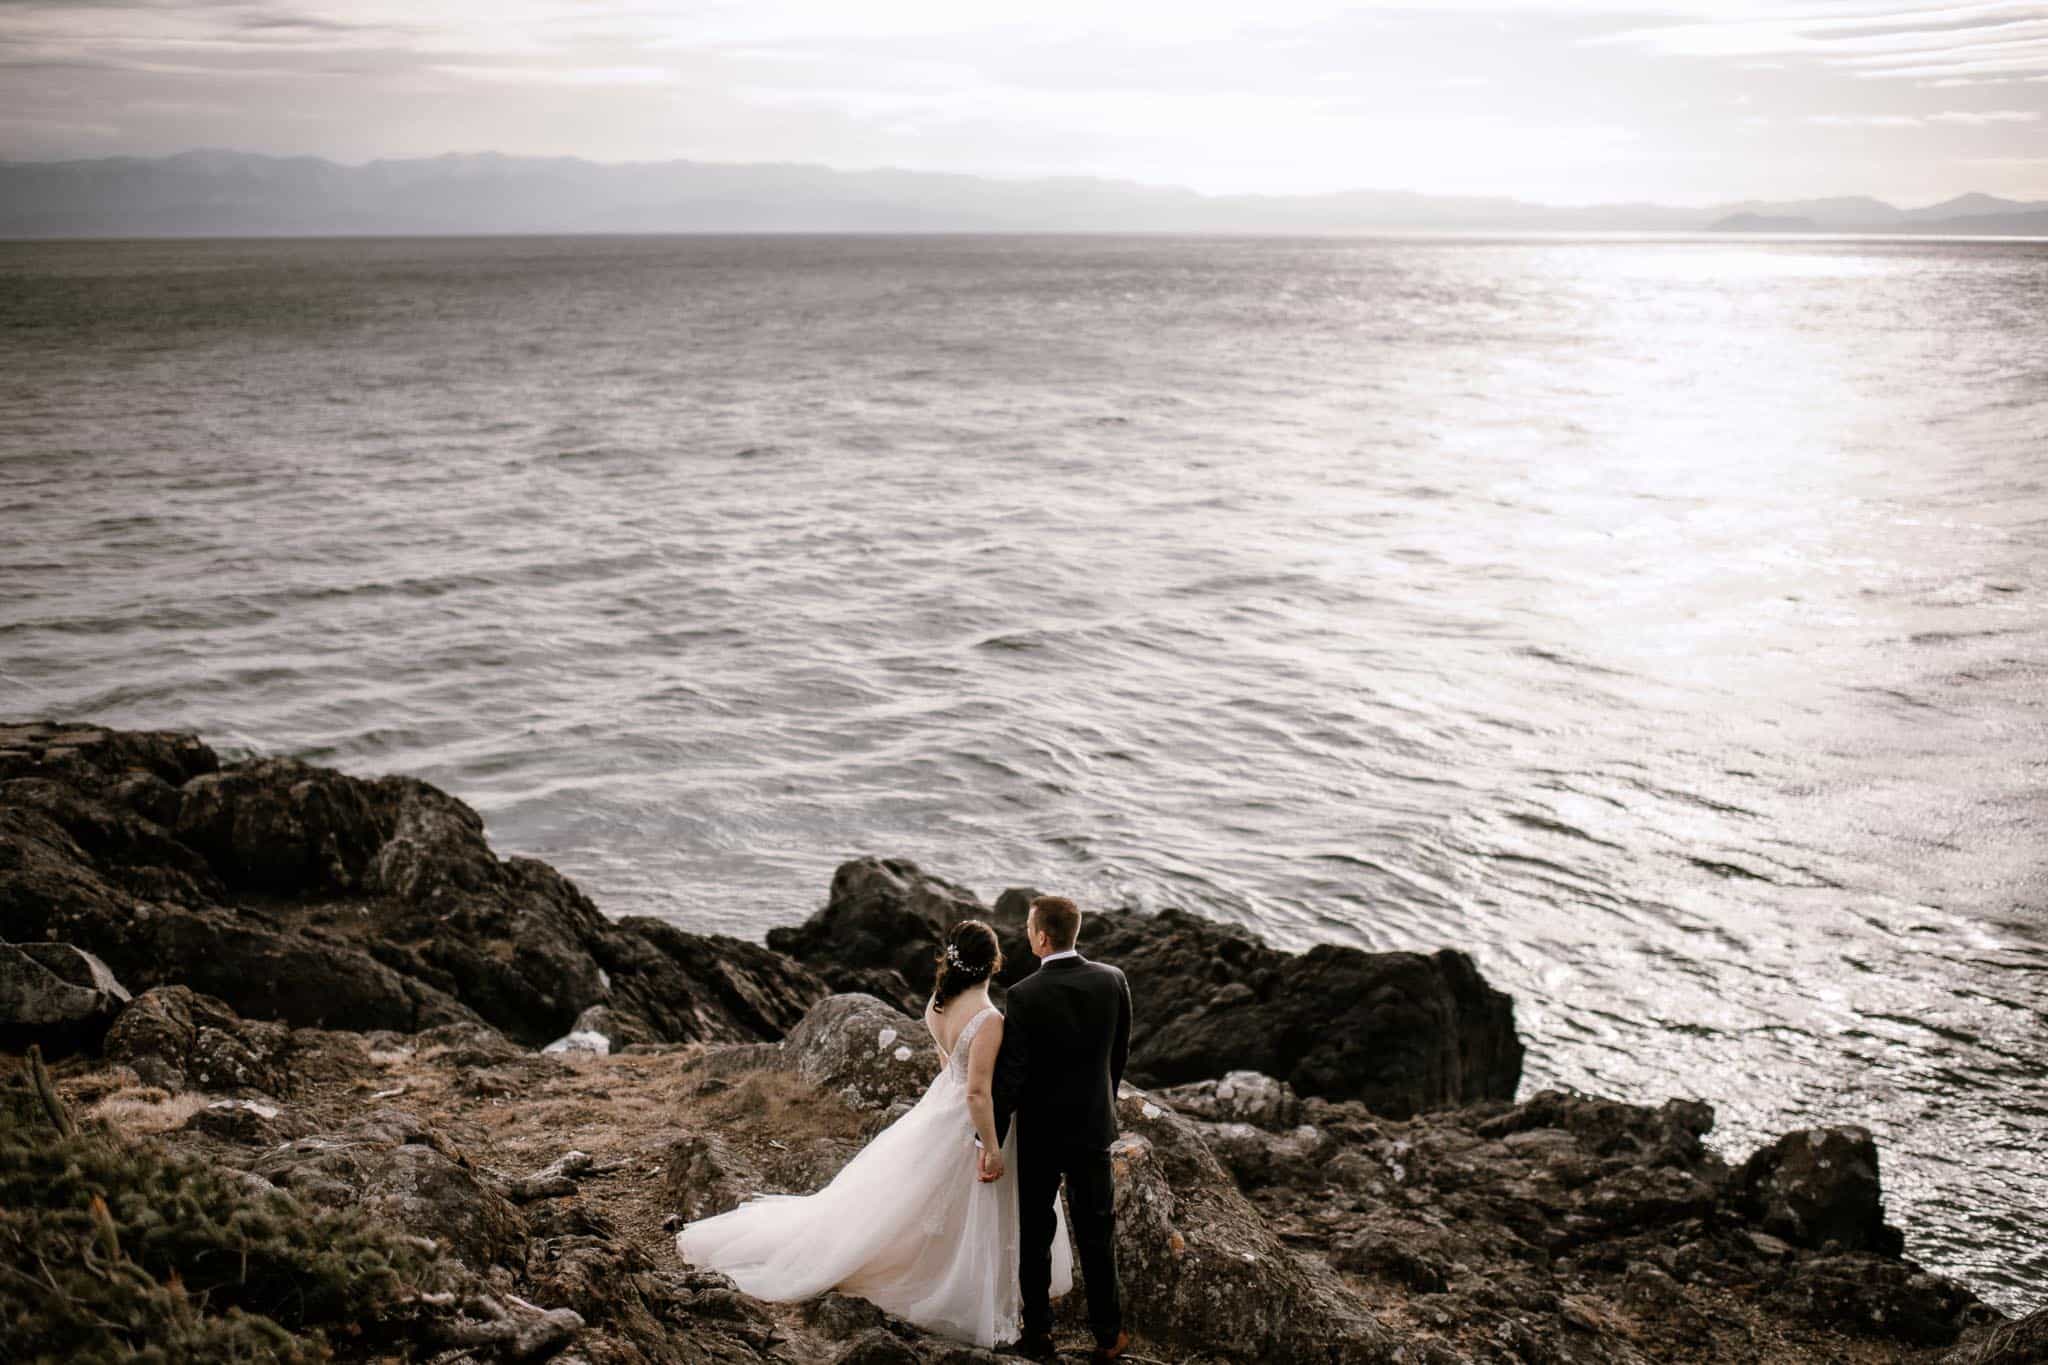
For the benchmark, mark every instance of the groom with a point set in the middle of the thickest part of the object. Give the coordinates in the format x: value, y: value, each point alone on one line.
x: 1065, y: 1036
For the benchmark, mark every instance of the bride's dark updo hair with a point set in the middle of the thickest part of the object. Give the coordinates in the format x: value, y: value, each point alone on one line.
x: 969, y: 957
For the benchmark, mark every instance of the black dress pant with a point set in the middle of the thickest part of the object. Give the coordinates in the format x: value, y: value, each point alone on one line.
x: 1091, y: 1212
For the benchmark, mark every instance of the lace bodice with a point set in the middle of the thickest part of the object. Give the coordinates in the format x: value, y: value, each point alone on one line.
x: 956, y: 1061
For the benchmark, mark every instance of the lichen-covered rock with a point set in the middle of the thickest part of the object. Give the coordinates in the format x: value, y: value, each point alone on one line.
x: 1256, y: 1157
x: 1239, y: 1097
x: 861, y: 1050
x: 396, y: 1169
x: 639, y: 1311
x: 181, y: 1040
x: 1816, y: 1186
x: 1204, y: 1270
x: 247, y: 1123
x: 703, y: 1176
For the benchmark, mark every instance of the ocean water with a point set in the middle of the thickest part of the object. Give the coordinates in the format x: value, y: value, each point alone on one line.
x: 1664, y: 621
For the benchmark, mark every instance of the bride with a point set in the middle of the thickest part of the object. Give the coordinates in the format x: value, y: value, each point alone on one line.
x: 908, y: 1224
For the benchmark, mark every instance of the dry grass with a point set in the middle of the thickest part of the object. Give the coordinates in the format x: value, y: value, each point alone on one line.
x: 145, y: 1110
x: 778, y: 1104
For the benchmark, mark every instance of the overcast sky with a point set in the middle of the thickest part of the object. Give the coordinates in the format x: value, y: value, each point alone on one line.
x: 1546, y: 99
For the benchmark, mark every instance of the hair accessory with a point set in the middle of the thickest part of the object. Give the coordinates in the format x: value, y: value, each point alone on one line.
x: 953, y: 955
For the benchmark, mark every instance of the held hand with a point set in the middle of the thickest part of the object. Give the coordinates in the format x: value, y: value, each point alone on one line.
x: 989, y: 1165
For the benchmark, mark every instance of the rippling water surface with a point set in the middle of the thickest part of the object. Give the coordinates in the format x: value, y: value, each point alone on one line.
x: 1661, y: 620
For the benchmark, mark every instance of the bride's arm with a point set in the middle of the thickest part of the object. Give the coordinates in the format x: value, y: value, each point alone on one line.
x: 931, y: 1026
x: 981, y: 1070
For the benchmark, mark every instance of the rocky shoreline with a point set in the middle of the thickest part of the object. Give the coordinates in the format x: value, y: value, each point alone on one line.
x: 445, y: 1108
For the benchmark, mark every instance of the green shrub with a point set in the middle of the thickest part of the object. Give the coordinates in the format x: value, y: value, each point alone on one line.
x: 116, y: 1251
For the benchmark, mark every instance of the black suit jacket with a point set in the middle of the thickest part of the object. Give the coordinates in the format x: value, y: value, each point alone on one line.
x: 1066, y: 1034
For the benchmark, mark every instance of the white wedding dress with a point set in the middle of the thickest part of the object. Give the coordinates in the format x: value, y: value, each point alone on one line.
x: 905, y: 1225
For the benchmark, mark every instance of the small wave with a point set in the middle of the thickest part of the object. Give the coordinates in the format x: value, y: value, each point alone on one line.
x: 1729, y: 871
x: 1019, y: 642
x: 1550, y: 826
x: 1552, y: 656
x: 1942, y: 637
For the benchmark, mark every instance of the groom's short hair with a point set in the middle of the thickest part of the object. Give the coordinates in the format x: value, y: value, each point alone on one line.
x: 1059, y: 919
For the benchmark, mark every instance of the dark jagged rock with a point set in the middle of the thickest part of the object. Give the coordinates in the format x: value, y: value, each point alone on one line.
x: 44, y: 747
x: 1409, y: 1032
x: 1400, y: 1032
x: 704, y: 1177
x: 1204, y: 1269
x: 638, y: 1310
x: 1875, y: 1296
x: 247, y: 1123
x: 394, y: 1167
x: 178, y: 1039
x: 302, y: 894
x: 1558, y: 1216
x: 882, y: 915
x: 703, y: 988
x: 55, y: 995
x: 1816, y: 1186
x: 1240, y: 1097
x: 2021, y: 1342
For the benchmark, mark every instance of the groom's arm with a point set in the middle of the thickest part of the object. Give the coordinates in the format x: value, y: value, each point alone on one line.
x: 1011, y: 1064
x: 1120, y: 1046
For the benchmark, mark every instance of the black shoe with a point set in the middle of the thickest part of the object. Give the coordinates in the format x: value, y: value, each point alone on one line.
x: 1035, y: 1346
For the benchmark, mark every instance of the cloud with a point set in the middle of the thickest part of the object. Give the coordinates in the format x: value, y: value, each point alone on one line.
x: 1944, y: 40
x: 558, y: 75
x: 1963, y: 117
x: 1979, y: 119
x: 1865, y: 120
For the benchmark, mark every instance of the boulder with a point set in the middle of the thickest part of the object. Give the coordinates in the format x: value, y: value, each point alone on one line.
x: 1815, y: 1186
x: 55, y: 995
x: 56, y: 748
x: 396, y: 1168
x: 1204, y: 1271
x: 247, y: 1123
x: 882, y: 915
x: 1257, y: 1157
x: 1870, y: 1295
x: 178, y: 1039
x: 1239, y: 1097
x: 640, y: 1310
x: 702, y: 1176
x: 860, y: 1049
x: 1400, y: 1032
x: 671, y: 986
x: 1669, y: 1135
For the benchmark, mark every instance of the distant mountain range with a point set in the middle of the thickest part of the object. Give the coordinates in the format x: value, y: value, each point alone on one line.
x: 220, y: 193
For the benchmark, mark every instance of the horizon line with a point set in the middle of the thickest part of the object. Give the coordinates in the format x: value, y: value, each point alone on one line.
x: 1000, y: 178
